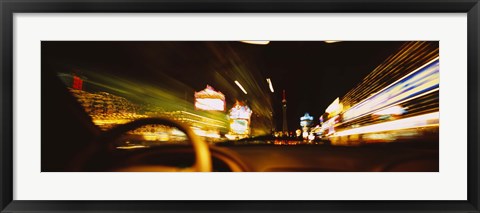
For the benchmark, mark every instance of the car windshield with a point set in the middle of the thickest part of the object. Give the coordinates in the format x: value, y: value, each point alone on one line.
x: 234, y: 93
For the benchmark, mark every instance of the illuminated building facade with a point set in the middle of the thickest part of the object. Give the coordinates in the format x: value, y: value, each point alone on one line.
x: 240, y: 117
x: 105, y: 109
x: 409, y: 57
x: 399, y: 99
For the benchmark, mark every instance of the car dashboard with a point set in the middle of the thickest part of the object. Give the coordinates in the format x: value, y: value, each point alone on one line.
x: 395, y: 157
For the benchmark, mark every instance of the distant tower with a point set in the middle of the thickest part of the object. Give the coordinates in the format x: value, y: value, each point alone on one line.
x: 284, y: 108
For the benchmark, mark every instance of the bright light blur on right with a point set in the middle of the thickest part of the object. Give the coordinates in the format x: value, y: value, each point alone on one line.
x: 405, y: 109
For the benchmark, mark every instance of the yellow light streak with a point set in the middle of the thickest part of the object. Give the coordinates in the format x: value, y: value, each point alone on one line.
x: 131, y: 147
x: 335, y: 107
x: 199, y: 116
x: 208, y: 134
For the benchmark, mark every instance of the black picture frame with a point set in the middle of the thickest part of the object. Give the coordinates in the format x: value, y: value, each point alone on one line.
x: 9, y: 7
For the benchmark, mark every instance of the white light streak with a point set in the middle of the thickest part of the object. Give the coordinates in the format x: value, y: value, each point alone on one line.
x: 270, y: 85
x: 334, y: 106
x: 429, y: 119
x: 346, y: 114
x: 256, y: 42
x: 394, y: 110
x: 239, y: 85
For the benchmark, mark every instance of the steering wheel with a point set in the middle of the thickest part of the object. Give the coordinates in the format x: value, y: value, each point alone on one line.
x: 104, y: 143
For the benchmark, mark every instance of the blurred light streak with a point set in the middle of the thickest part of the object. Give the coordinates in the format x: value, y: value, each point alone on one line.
x: 241, y: 87
x: 426, y: 120
x: 331, y: 41
x: 409, y: 57
x: 270, y: 85
x: 201, y: 122
x: 401, y: 102
x: 131, y: 147
x: 207, y: 134
x: 256, y: 42
x: 394, y: 110
x: 209, y: 120
x: 334, y: 108
x: 155, y: 137
x: 422, y: 80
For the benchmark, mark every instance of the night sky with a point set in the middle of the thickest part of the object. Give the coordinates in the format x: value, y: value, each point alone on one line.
x: 313, y: 73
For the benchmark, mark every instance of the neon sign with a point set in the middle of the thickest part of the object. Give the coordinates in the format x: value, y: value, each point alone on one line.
x: 210, y: 100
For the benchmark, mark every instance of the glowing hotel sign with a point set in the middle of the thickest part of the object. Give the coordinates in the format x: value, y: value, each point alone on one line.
x: 240, y: 119
x: 306, y: 120
x: 240, y: 112
x: 210, y: 100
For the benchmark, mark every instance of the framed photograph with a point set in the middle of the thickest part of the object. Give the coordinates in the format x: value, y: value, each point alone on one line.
x: 239, y: 106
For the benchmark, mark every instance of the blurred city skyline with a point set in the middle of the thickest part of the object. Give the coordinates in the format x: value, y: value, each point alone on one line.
x: 312, y: 73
